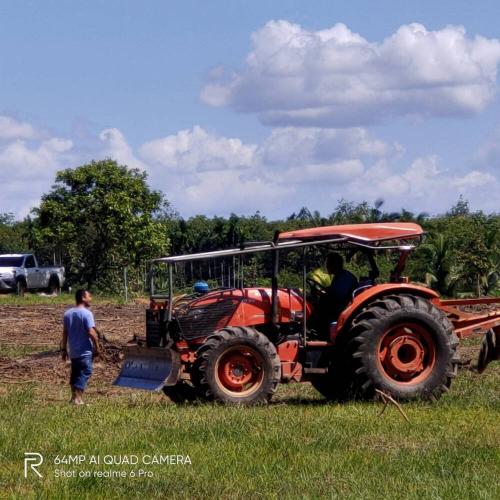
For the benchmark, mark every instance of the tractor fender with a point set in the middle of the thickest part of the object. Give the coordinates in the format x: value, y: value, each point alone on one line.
x: 374, y: 292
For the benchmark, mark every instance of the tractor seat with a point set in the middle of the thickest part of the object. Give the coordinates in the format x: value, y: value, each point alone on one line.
x: 366, y: 280
x: 364, y: 283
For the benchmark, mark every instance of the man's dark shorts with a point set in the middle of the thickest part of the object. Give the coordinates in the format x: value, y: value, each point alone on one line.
x: 81, y: 370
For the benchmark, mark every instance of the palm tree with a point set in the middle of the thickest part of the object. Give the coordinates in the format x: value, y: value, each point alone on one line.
x: 377, y: 215
x: 443, y: 275
x: 490, y: 279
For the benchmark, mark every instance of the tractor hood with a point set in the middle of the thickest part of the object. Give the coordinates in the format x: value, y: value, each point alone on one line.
x: 200, y: 316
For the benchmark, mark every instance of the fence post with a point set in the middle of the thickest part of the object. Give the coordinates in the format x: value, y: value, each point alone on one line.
x: 125, y: 283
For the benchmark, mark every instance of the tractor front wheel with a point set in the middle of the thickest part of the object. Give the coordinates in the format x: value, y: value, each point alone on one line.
x: 405, y: 346
x: 238, y: 365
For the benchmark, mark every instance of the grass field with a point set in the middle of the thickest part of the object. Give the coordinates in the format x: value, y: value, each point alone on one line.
x: 63, y: 298
x: 298, y: 446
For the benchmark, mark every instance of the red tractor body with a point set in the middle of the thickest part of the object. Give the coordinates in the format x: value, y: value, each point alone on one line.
x: 236, y: 344
x: 240, y: 307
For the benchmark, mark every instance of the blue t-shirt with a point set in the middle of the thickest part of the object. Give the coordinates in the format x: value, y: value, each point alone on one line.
x: 78, y: 321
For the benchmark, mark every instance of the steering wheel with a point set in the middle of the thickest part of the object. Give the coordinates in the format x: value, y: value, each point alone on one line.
x: 316, y: 288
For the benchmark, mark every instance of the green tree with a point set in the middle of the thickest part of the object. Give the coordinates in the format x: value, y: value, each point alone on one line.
x: 470, y: 252
x: 12, y: 234
x: 99, y: 218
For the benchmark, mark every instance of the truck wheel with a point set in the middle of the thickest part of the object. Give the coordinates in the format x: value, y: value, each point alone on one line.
x: 54, y: 287
x: 238, y: 365
x: 405, y: 346
x: 20, y: 288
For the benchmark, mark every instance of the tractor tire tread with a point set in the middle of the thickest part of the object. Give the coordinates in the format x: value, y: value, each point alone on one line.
x: 230, y: 335
x: 370, y: 321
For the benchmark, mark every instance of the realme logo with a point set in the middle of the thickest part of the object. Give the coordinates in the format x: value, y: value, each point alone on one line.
x: 34, y: 460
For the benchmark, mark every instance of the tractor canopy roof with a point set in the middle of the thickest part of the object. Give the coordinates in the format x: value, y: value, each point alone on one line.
x: 367, y: 233
x: 362, y: 235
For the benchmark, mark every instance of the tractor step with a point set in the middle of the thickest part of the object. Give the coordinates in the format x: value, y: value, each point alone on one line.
x: 315, y: 371
x: 149, y: 368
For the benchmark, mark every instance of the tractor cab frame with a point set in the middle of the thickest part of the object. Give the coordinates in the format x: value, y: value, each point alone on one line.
x: 349, y: 239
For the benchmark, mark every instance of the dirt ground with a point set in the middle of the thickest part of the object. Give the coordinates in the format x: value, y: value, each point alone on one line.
x: 30, y: 336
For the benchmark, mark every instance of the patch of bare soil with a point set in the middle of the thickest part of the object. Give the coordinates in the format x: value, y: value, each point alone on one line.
x: 38, y: 327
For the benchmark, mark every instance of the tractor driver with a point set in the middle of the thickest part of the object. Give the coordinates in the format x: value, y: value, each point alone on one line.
x: 337, y: 295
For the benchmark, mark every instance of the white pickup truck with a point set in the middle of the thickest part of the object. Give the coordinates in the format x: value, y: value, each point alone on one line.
x: 19, y: 273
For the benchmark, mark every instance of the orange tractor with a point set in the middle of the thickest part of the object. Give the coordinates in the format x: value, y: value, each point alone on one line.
x: 235, y: 344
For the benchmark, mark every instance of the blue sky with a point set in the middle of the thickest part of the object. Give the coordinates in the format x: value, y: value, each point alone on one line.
x: 362, y: 111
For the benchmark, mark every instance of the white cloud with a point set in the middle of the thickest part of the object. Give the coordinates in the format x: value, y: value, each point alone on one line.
x: 116, y: 147
x: 28, y: 168
x: 335, y: 77
x: 425, y: 186
x: 472, y: 180
x: 222, y: 192
x: 10, y: 129
x: 289, y: 146
x: 333, y: 174
x: 18, y: 159
x: 205, y: 170
x: 196, y: 150
x: 202, y: 172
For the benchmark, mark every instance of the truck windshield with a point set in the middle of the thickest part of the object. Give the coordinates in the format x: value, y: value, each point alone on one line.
x: 11, y: 261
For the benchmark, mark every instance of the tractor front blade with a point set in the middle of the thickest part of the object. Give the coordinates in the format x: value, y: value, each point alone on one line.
x: 149, y: 368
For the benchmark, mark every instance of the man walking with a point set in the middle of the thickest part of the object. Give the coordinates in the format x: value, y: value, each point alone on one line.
x: 80, y: 335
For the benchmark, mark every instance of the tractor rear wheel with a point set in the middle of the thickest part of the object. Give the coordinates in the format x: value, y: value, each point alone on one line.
x: 238, y: 365
x: 405, y: 346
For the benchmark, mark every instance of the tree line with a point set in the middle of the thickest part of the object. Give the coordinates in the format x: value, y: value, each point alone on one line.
x: 100, y: 218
